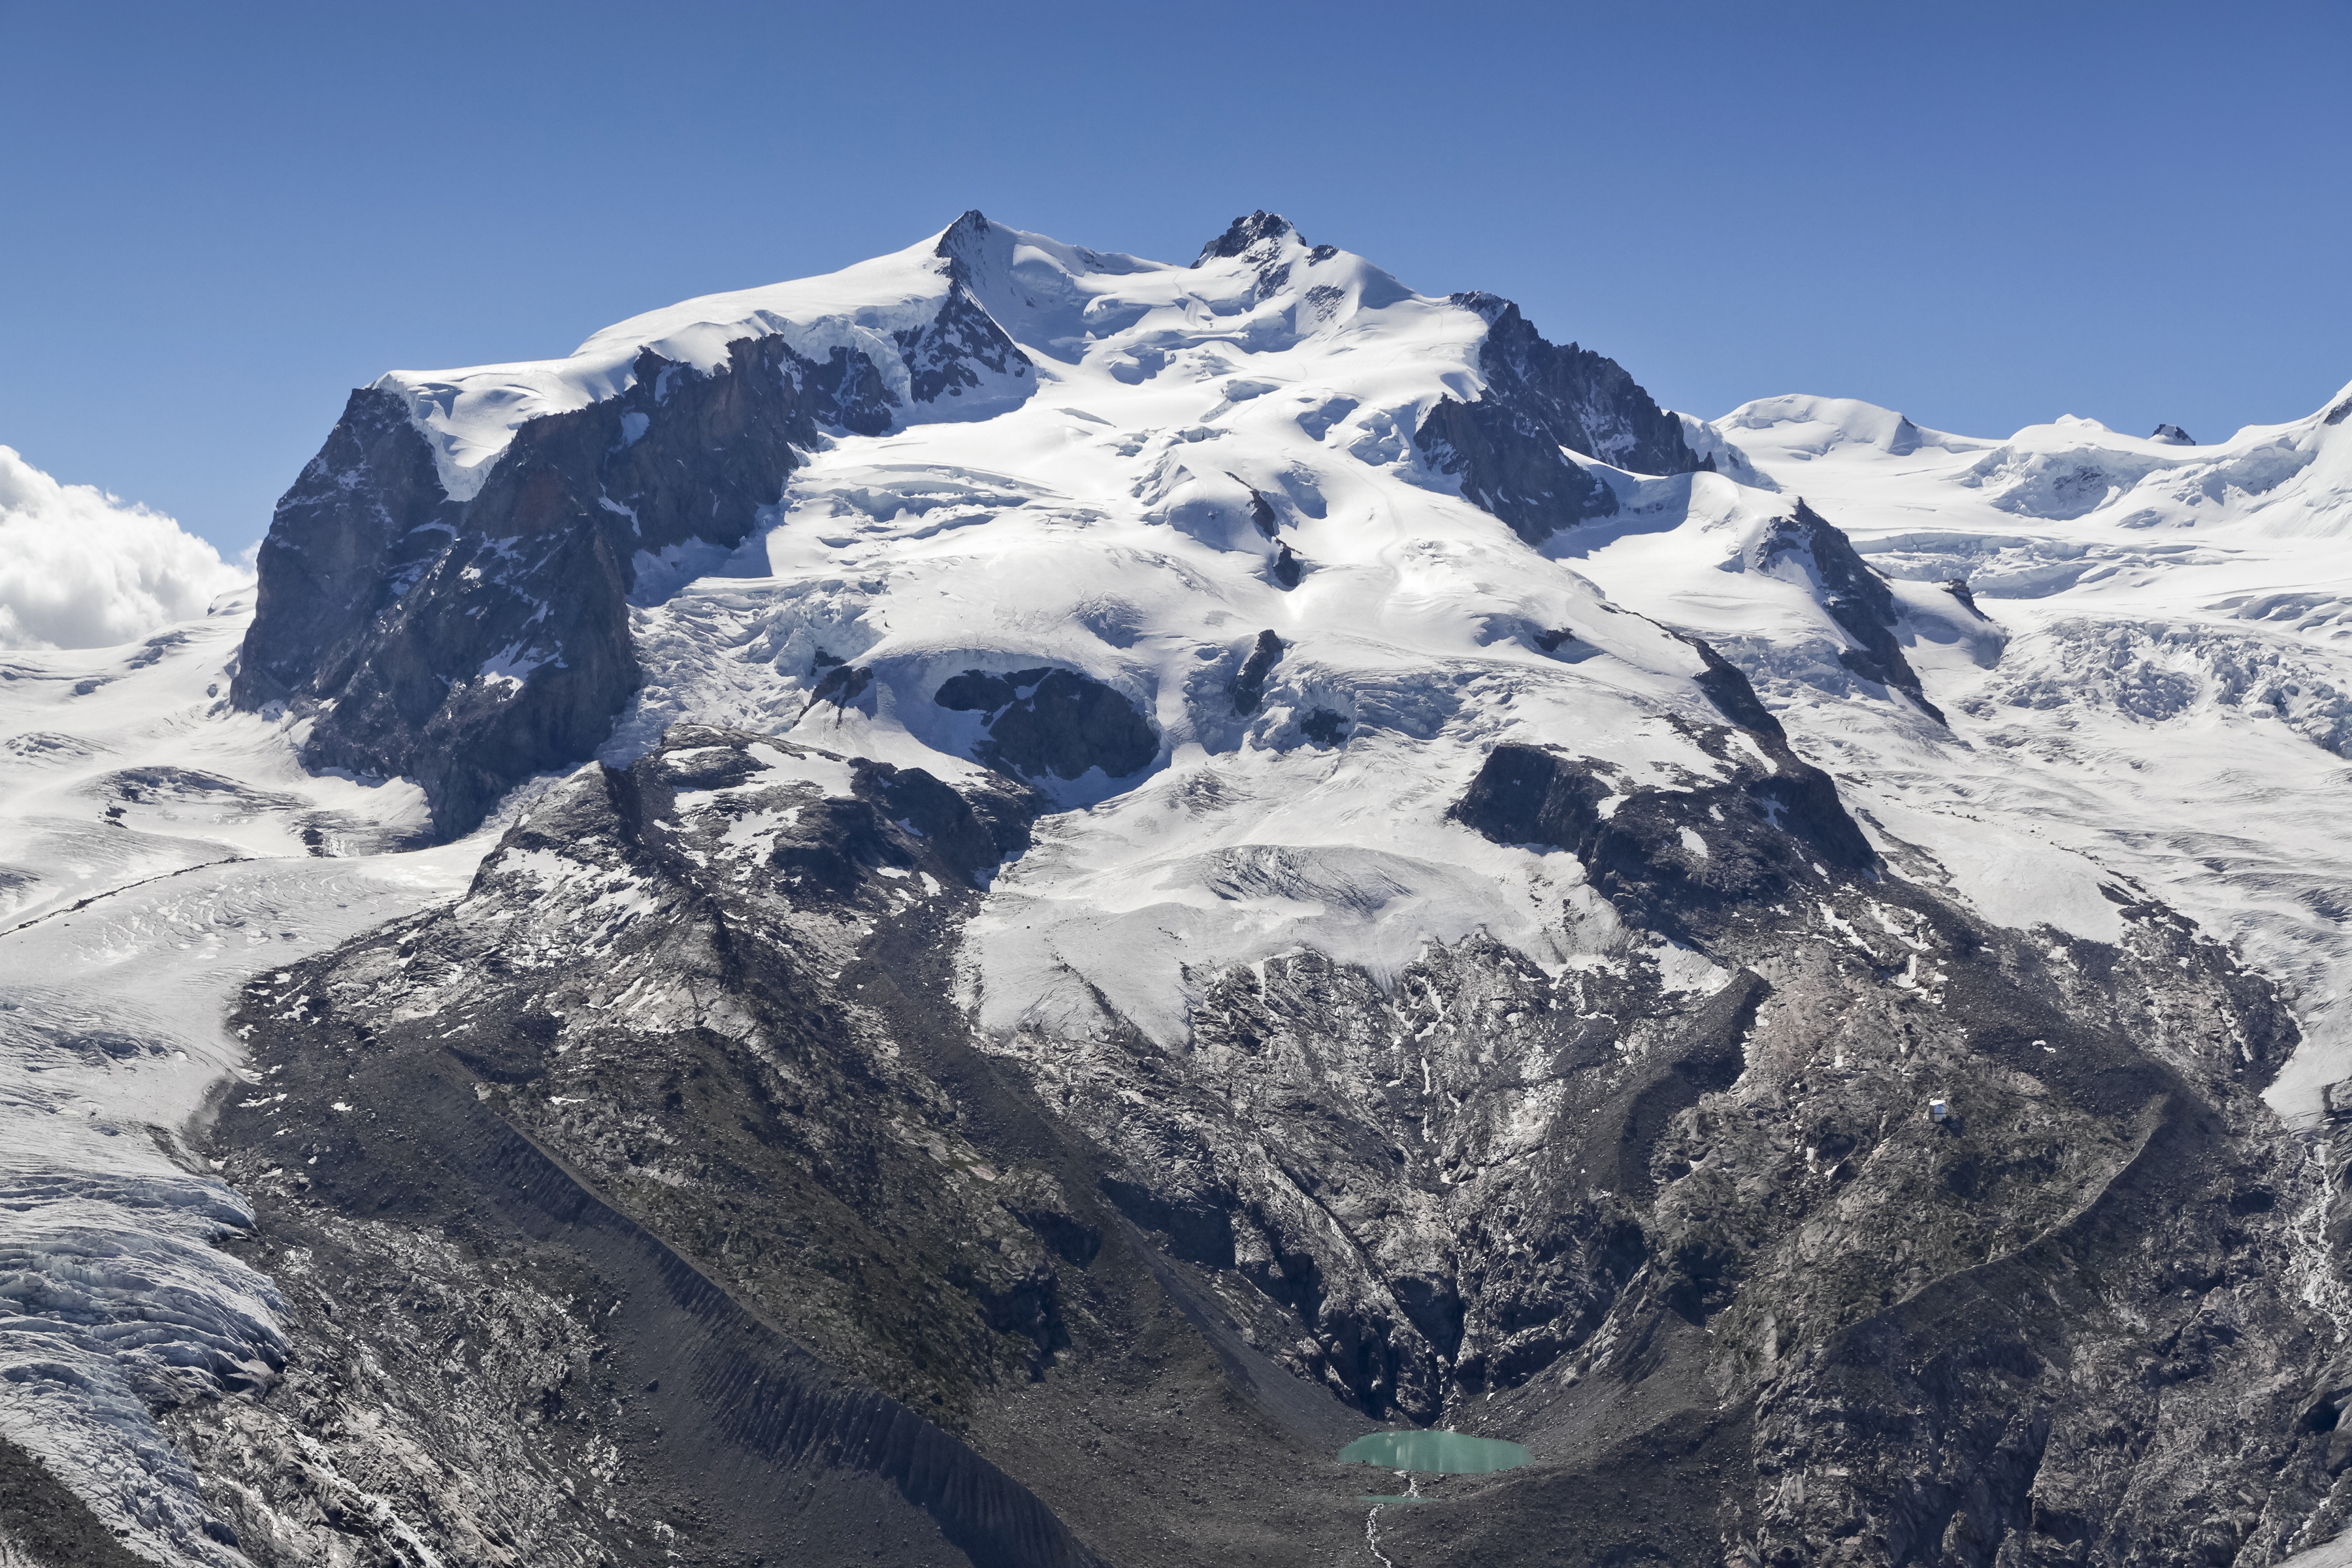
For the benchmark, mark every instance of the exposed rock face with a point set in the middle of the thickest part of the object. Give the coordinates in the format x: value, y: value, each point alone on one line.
x: 945, y: 357
x: 680, y: 1067
x: 705, y: 1235
x: 1913, y: 1314
x: 1697, y: 1239
x: 1258, y: 228
x: 1675, y: 857
x: 1262, y: 513
x: 471, y: 645
x: 1268, y: 243
x: 1323, y: 726
x: 1506, y: 444
x: 1249, y: 686
x: 2172, y: 435
x: 1052, y: 724
x: 1856, y: 597
x: 363, y: 522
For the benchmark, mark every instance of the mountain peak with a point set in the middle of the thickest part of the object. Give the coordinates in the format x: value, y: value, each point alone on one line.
x: 1246, y: 232
x: 1490, y: 308
x: 2172, y: 435
x: 960, y: 238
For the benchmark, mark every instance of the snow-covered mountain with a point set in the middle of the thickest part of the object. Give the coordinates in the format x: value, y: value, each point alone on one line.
x: 978, y: 906
x: 2141, y: 646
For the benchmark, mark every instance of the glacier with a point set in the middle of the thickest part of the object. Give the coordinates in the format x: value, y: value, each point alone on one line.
x: 2055, y: 677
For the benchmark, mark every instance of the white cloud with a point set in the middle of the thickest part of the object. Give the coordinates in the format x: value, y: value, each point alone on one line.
x: 80, y: 569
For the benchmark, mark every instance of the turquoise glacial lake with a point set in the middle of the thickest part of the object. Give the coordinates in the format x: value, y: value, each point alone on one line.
x: 1435, y: 1453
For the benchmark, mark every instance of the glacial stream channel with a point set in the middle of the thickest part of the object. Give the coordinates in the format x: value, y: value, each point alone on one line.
x: 1415, y: 1453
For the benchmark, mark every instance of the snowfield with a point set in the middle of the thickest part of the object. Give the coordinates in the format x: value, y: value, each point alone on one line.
x: 2152, y: 690
x: 2160, y: 685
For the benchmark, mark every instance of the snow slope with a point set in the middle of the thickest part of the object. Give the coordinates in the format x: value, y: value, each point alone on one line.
x: 2158, y: 687
x: 1190, y: 426
x: 469, y: 415
x: 2155, y: 684
x: 2155, y: 689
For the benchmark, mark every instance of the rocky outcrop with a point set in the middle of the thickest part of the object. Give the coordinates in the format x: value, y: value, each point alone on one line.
x: 1052, y: 724
x: 666, y: 1142
x: 1258, y: 228
x: 471, y: 645
x: 364, y: 522
x: 650, y: 1203
x: 1856, y: 597
x: 1681, y: 854
x: 1263, y: 516
x: 1696, y: 1240
x: 1506, y: 444
x: 1917, y: 1319
x: 1674, y: 858
x: 1249, y: 685
x: 945, y: 357
x: 594, y: 1223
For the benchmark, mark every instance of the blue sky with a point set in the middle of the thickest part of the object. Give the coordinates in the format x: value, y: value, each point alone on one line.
x: 220, y: 219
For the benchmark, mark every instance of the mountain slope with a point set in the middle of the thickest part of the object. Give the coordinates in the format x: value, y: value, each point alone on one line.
x: 1063, y: 881
x: 2138, y: 643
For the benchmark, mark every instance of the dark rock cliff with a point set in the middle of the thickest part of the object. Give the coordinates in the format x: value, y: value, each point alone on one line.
x: 1255, y: 229
x: 1506, y: 444
x: 1249, y: 685
x: 364, y: 522
x: 469, y: 646
x: 1856, y: 597
x: 1267, y: 242
x: 1677, y: 856
x: 944, y: 358
x: 1052, y: 724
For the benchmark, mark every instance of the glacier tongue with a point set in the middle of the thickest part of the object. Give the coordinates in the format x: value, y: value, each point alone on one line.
x: 161, y: 849
x: 118, y: 1302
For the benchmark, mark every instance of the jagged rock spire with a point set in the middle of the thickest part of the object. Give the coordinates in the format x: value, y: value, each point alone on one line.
x: 1245, y: 232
